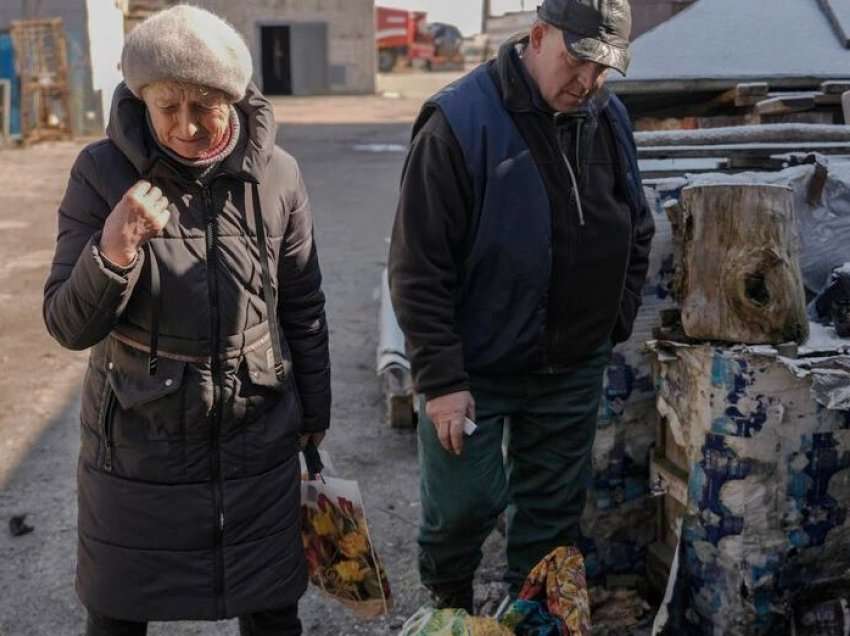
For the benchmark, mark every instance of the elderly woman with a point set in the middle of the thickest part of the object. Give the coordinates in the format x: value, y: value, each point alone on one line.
x: 186, y: 261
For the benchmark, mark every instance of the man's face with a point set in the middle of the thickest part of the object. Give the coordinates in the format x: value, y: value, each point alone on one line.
x: 565, y: 82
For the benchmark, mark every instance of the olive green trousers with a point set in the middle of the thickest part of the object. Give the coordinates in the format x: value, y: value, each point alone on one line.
x: 547, y: 424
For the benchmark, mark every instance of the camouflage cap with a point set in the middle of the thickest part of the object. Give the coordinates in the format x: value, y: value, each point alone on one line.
x: 595, y: 30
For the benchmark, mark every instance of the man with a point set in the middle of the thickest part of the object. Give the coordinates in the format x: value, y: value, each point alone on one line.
x: 519, y: 251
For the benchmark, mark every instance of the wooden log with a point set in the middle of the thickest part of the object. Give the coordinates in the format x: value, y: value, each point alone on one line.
x: 741, y: 279
x: 399, y: 395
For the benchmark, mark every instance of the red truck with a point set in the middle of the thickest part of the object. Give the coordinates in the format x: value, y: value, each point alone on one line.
x: 406, y: 37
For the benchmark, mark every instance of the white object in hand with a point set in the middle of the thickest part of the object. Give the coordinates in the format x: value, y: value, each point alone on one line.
x: 469, y: 427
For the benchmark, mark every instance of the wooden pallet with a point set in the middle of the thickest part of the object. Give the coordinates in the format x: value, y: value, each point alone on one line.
x: 41, y: 62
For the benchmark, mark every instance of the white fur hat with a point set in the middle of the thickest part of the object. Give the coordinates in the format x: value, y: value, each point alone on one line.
x: 187, y: 44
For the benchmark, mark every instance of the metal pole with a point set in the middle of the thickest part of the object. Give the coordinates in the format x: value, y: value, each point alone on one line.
x: 485, y: 15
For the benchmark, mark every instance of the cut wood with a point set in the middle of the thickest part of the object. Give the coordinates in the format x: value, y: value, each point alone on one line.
x: 835, y: 87
x: 733, y: 135
x: 751, y: 150
x: 741, y: 279
x: 786, y: 104
x: 827, y: 99
x: 749, y: 93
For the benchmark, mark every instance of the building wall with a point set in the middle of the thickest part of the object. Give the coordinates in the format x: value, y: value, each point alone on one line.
x: 351, y: 33
x: 106, y: 38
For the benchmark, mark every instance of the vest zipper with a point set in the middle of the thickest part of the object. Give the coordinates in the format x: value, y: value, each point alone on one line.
x: 211, y: 237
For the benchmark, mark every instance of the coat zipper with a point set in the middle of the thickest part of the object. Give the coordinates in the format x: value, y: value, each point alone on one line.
x: 570, y: 170
x: 579, y: 124
x: 108, y: 408
x: 216, y: 414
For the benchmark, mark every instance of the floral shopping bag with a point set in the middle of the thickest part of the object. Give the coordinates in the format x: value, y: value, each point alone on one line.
x: 340, y: 556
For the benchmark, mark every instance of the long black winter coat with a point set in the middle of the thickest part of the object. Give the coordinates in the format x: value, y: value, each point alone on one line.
x: 188, y: 478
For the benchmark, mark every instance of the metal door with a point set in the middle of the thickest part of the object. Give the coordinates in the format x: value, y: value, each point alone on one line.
x: 309, y: 47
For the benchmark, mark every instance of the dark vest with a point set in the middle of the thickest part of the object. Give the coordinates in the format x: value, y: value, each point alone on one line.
x: 502, y: 306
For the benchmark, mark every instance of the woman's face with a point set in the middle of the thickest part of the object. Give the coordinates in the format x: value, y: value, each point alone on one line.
x: 187, y: 119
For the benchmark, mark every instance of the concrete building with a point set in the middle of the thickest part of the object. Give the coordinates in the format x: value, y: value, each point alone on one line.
x: 94, y: 36
x: 306, y: 47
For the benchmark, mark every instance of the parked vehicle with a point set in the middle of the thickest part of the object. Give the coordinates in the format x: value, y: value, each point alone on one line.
x: 405, y: 37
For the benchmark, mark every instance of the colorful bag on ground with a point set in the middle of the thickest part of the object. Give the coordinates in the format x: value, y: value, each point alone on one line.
x: 340, y: 556
x: 451, y: 622
x: 554, y: 601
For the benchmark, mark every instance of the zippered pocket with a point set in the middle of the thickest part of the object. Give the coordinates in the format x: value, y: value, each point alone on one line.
x: 107, y: 416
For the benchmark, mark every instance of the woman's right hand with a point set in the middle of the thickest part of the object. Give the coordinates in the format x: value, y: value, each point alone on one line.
x: 141, y: 214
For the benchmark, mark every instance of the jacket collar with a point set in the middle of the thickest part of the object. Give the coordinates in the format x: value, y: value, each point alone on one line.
x: 128, y: 130
x: 519, y: 90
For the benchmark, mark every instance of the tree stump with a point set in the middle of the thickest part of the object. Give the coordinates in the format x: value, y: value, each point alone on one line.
x: 740, y: 274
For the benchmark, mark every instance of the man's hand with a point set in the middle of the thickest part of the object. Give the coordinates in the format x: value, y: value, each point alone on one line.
x: 448, y: 412
x: 140, y: 215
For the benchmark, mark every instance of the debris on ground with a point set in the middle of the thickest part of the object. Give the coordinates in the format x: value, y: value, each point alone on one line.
x: 18, y: 526
x: 618, y: 611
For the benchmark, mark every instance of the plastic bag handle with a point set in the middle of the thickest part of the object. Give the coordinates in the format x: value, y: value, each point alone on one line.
x: 313, y: 460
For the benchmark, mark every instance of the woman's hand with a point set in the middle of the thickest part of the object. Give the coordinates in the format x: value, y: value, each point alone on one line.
x: 141, y: 214
x: 305, y: 439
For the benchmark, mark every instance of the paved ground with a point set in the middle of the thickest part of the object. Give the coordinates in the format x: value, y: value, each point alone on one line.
x: 353, y: 192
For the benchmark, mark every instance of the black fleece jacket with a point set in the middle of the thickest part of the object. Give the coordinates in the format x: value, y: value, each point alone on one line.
x: 434, y: 229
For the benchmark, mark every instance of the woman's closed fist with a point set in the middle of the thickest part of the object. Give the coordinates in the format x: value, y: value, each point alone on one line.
x: 141, y: 214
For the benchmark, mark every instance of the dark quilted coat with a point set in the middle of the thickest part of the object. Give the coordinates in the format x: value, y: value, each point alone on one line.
x: 188, y: 478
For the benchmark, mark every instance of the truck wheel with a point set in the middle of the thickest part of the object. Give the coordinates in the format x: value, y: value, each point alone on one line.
x: 386, y: 60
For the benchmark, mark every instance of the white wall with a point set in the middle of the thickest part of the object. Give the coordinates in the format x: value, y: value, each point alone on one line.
x: 106, y: 40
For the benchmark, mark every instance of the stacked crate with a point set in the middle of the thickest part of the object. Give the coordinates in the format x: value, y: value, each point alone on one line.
x: 41, y: 61
x: 752, y: 452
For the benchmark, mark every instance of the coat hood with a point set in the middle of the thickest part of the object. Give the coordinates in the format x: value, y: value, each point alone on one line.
x: 128, y: 130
